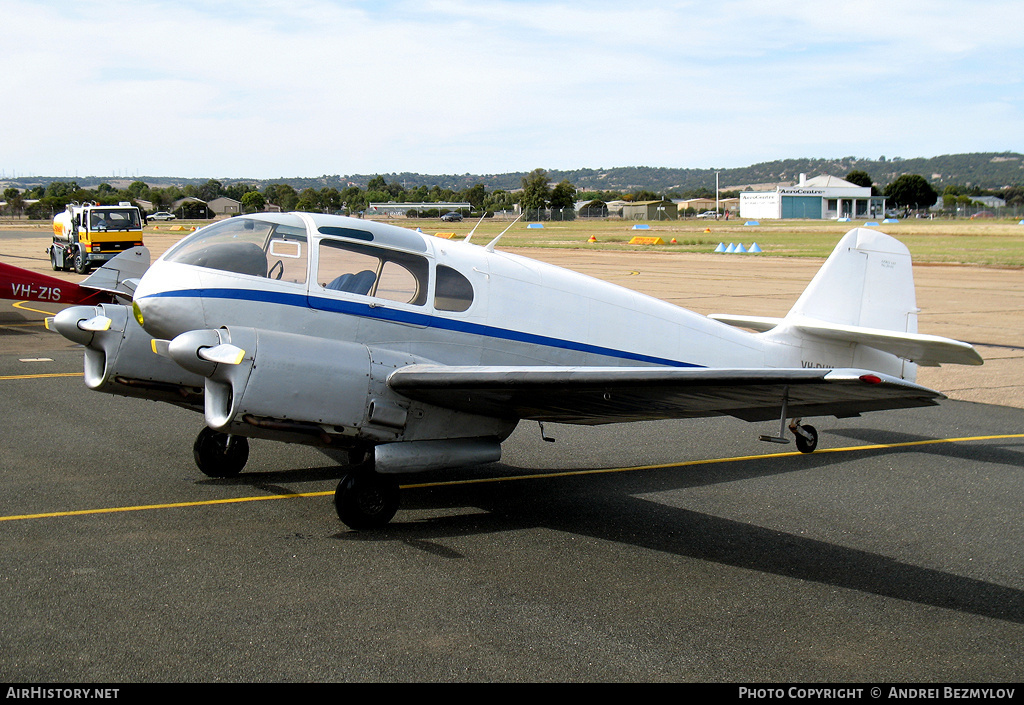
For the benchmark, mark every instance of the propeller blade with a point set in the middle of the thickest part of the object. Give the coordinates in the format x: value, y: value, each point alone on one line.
x: 225, y: 353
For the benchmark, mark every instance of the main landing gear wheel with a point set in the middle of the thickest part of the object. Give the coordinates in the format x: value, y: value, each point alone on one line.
x: 220, y: 455
x: 366, y: 500
x: 806, y: 438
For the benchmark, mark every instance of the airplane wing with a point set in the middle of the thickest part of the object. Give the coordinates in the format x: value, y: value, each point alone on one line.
x: 598, y: 395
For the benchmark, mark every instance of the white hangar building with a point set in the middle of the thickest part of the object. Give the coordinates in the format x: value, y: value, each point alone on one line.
x: 822, y: 197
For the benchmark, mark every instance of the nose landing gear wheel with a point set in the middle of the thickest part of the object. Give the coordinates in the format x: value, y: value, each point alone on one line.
x: 220, y: 455
x: 366, y: 500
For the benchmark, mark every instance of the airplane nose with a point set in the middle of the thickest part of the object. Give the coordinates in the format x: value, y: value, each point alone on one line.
x: 161, y: 318
x: 161, y: 307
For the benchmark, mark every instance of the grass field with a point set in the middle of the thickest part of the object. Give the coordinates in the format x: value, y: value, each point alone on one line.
x: 992, y: 243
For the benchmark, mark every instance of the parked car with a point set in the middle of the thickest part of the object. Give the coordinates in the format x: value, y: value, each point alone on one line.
x: 451, y: 217
x: 162, y: 215
x: 708, y: 214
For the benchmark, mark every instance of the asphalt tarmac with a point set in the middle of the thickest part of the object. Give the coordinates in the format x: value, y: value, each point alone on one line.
x: 667, y: 551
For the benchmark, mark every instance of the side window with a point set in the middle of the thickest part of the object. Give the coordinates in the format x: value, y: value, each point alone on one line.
x: 287, y: 254
x: 452, y: 292
x: 372, y: 271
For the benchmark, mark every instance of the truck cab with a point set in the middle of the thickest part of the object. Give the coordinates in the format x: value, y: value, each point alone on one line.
x: 87, y: 235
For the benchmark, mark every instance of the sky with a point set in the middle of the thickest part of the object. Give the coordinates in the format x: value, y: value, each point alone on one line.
x: 286, y: 88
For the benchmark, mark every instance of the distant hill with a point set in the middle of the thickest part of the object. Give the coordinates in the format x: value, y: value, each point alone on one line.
x: 988, y: 170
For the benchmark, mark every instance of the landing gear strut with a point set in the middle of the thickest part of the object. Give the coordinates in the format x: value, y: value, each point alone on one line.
x: 805, y: 434
x: 365, y: 499
x: 220, y: 455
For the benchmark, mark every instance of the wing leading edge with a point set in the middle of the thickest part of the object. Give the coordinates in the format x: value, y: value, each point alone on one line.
x: 599, y: 395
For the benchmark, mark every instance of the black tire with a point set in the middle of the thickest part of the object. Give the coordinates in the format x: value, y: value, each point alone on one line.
x: 80, y: 263
x: 53, y: 260
x: 807, y: 445
x: 366, y: 500
x: 220, y: 455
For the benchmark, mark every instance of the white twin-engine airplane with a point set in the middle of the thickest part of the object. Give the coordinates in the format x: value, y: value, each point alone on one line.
x: 415, y: 353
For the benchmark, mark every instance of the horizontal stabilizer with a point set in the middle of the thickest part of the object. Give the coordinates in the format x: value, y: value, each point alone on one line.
x: 920, y: 348
x: 599, y: 395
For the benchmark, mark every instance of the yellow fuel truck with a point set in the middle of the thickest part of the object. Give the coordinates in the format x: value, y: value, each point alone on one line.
x: 87, y: 235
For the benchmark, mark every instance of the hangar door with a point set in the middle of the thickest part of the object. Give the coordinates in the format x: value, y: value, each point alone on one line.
x: 801, y: 207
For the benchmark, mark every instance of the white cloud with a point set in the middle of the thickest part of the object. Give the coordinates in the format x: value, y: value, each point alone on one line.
x: 320, y: 86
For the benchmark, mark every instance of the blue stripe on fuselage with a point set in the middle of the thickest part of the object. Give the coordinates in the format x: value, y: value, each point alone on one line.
x: 383, y: 313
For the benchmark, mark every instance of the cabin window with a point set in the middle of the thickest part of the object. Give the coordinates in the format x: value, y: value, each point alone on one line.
x: 258, y: 248
x: 452, y: 291
x: 365, y: 270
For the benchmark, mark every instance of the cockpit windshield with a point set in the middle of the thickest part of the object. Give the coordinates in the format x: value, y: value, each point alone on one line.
x: 256, y: 247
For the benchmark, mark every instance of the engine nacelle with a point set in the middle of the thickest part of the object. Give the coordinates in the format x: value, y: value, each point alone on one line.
x: 312, y: 390
x: 119, y: 356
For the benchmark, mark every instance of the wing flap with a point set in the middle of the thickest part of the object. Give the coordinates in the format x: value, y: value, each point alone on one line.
x: 598, y: 395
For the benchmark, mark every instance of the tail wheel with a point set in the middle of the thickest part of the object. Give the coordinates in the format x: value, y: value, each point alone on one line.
x: 806, y: 438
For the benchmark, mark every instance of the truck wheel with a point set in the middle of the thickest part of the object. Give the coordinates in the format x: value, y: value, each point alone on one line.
x: 53, y: 260
x: 80, y: 263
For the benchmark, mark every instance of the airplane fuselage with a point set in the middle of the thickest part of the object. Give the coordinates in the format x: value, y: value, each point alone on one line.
x: 507, y: 310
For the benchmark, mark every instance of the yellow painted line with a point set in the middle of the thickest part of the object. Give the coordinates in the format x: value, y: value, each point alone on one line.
x: 170, y: 505
x: 42, y: 375
x: 536, y: 476
x: 23, y: 307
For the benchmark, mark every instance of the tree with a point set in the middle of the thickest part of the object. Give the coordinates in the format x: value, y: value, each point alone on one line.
x: 15, y: 201
x: 860, y: 178
x: 282, y: 195
x: 563, y: 195
x: 253, y: 202
x: 911, y: 191
x: 138, y: 189
x: 475, y: 194
x: 1014, y: 196
x: 210, y: 190
x: 645, y: 195
x: 535, y: 190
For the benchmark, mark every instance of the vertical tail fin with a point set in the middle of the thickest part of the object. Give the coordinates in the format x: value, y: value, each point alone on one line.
x: 860, y: 310
x: 867, y: 282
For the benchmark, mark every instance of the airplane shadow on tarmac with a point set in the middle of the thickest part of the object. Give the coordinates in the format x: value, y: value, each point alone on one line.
x: 605, y: 507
